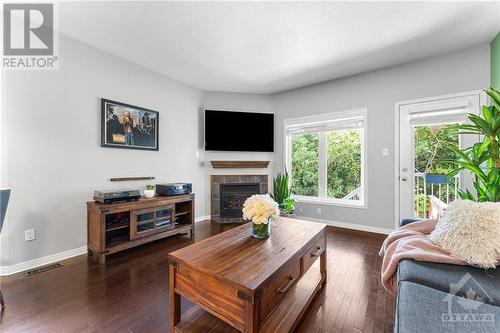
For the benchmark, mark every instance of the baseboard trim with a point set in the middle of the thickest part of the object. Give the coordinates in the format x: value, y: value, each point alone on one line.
x: 346, y: 225
x: 202, y: 218
x: 30, y: 264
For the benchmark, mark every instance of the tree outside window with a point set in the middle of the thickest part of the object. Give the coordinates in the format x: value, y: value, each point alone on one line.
x: 305, y: 164
x: 343, y: 163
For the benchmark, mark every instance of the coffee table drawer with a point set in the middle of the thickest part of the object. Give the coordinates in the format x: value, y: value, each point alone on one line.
x: 277, y: 287
x: 312, y: 254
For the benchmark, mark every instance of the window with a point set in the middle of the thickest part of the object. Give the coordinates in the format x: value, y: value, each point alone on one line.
x: 325, y: 155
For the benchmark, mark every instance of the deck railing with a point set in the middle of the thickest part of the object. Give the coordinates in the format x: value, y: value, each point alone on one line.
x: 353, y: 195
x: 432, y: 193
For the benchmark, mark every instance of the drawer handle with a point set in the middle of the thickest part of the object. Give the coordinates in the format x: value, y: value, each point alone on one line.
x: 287, y: 285
x: 317, y: 252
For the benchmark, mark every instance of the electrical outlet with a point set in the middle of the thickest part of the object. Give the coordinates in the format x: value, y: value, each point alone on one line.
x: 29, y: 235
x: 318, y: 211
x: 385, y: 152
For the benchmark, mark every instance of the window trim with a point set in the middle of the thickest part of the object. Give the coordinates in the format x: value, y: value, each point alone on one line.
x: 323, y: 160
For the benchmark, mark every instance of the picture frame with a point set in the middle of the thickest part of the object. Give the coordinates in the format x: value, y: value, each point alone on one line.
x: 128, y: 126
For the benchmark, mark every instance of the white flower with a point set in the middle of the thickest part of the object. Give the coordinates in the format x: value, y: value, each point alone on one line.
x: 259, y: 208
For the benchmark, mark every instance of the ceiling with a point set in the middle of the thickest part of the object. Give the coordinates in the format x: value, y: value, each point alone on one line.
x: 269, y: 47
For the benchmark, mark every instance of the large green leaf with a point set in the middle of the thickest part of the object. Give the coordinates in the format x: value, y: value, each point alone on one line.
x: 482, y: 194
x: 453, y: 173
x: 483, y: 146
x: 482, y: 158
x: 494, y: 97
x: 481, y: 124
x: 486, y: 113
x: 466, y: 195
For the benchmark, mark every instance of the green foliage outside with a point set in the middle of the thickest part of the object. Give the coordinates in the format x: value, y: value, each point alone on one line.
x: 305, y: 163
x: 343, y: 163
x: 431, y: 146
x: 422, y: 203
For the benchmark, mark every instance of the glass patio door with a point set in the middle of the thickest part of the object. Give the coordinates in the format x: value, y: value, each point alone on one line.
x: 425, y: 136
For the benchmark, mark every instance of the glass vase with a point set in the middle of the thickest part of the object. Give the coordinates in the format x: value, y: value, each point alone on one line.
x: 261, y: 231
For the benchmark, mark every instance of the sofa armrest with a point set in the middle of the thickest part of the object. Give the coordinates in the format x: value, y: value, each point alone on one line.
x: 407, y: 220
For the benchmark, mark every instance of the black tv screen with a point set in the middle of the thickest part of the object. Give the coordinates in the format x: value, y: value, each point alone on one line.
x: 239, y: 131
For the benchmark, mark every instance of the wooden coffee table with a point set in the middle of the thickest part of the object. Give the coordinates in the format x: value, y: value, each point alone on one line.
x: 247, y: 285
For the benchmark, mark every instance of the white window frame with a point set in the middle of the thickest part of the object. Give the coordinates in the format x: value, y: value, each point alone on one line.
x: 322, y: 169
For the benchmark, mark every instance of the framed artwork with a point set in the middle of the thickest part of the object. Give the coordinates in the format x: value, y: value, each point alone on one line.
x: 128, y: 126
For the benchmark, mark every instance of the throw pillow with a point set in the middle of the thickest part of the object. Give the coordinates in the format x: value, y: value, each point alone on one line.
x: 470, y: 231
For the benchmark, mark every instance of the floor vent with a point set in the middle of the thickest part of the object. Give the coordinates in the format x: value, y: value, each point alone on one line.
x: 42, y: 269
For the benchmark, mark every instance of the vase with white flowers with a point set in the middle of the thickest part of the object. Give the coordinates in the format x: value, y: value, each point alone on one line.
x: 261, y: 209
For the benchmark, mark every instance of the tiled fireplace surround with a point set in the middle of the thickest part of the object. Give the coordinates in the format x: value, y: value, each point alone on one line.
x: 217, y: 180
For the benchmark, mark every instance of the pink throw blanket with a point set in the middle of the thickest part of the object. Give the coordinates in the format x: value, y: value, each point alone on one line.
x: 411, y: 242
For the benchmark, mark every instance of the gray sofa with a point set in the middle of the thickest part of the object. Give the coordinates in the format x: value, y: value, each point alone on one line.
x: 446, y: 298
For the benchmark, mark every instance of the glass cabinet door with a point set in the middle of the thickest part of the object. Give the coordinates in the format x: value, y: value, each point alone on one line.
x: 150, y: 221
x: 145, y: 221
x: 163, y: 217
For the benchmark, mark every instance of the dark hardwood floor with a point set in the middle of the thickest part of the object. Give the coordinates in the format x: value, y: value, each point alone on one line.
x: 130, y: 292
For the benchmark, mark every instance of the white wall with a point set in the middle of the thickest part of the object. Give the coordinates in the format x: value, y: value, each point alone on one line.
x: 51, y: 154
x: 379, y: 91
x: 238, y: 102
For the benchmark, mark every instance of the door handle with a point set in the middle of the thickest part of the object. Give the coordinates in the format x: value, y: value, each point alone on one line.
x: 404, y: 179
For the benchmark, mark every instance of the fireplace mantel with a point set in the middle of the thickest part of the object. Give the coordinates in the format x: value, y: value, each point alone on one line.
x: 240, y: 164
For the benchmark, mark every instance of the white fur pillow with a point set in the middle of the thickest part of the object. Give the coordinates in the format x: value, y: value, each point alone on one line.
x: 471, y: 232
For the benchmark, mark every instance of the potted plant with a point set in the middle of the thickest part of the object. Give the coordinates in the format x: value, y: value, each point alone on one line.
x: 149, y: 192
x: 282, y: 194
x: 261, y: 209
x: 288, y: 206
x: 483, y: 158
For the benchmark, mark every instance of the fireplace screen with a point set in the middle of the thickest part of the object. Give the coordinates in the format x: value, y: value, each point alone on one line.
x: 233, y: 196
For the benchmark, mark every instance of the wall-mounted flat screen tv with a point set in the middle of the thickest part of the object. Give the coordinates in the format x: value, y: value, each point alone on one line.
x: 239, y: 131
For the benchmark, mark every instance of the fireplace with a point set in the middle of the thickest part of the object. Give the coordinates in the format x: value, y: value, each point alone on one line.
x: 229, y: 192
x: 233, y: 196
